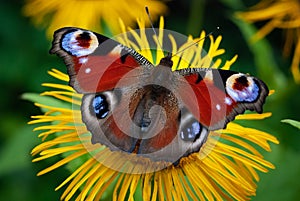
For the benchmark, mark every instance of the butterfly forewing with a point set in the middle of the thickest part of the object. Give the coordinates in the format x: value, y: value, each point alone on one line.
x: 95, y: 63
x: 222, y: 94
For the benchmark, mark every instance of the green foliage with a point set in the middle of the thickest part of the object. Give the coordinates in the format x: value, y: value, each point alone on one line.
x: 292, y: 122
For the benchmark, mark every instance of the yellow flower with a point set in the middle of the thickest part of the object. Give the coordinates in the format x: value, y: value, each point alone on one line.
x: 89, y: 14
x: 282, y: 14
x: 224, y: 169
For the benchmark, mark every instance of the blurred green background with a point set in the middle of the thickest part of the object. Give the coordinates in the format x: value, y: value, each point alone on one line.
x: 25, y: 61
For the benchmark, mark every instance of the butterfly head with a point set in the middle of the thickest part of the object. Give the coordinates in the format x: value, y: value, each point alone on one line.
x: 166, y: 61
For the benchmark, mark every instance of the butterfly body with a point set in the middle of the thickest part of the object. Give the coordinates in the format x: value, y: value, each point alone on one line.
x: 132, y: 106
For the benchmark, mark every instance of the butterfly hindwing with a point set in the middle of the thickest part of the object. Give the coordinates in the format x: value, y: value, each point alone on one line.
x: 146, y: 123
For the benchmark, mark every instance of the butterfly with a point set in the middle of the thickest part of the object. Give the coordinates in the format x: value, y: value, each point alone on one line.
x: 133, y: 106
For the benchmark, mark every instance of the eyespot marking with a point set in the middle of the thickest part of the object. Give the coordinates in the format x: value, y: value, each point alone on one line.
x: 80, y: 43
x: 100, y: 106
x: 242, y: 88
x: 191, y: 131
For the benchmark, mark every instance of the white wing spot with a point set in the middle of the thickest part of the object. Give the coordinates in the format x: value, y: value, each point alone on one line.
x: 209, y: 75
x: 83, y: 60
x: 117, y: 50
x: 218, y: 107
x: 228, y: 101
x: 87, y: 70
x: 244, y: 94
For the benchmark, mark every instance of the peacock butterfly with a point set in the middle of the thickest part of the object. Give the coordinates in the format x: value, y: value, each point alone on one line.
x: 132, y: 106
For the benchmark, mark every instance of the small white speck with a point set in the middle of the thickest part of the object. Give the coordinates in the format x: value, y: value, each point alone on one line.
x: 117, y: 50
x: 209, y: 75
x: 74, y: 47
x: 88, y: 70
x: 228, y: 101
x: 83, y: 60
x: 244, y: 94
x: 218, y: 107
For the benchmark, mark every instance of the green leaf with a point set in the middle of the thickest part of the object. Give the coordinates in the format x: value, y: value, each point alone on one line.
x: 292, y: 122
x: 45, y: 100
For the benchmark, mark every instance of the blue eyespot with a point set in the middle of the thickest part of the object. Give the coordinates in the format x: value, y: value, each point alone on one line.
x: 191, y: 131
x: 100, y: 106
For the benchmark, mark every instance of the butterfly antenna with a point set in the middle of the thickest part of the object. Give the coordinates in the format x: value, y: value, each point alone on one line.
x: 151, y: 22
x: 196, y: 42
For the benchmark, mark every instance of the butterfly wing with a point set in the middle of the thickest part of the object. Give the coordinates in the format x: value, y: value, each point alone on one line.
x: 119, y: 106
x: 95, y: 63
x: 221, y: 95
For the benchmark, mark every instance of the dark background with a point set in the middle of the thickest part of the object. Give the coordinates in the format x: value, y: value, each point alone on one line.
x: 25, y: 61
